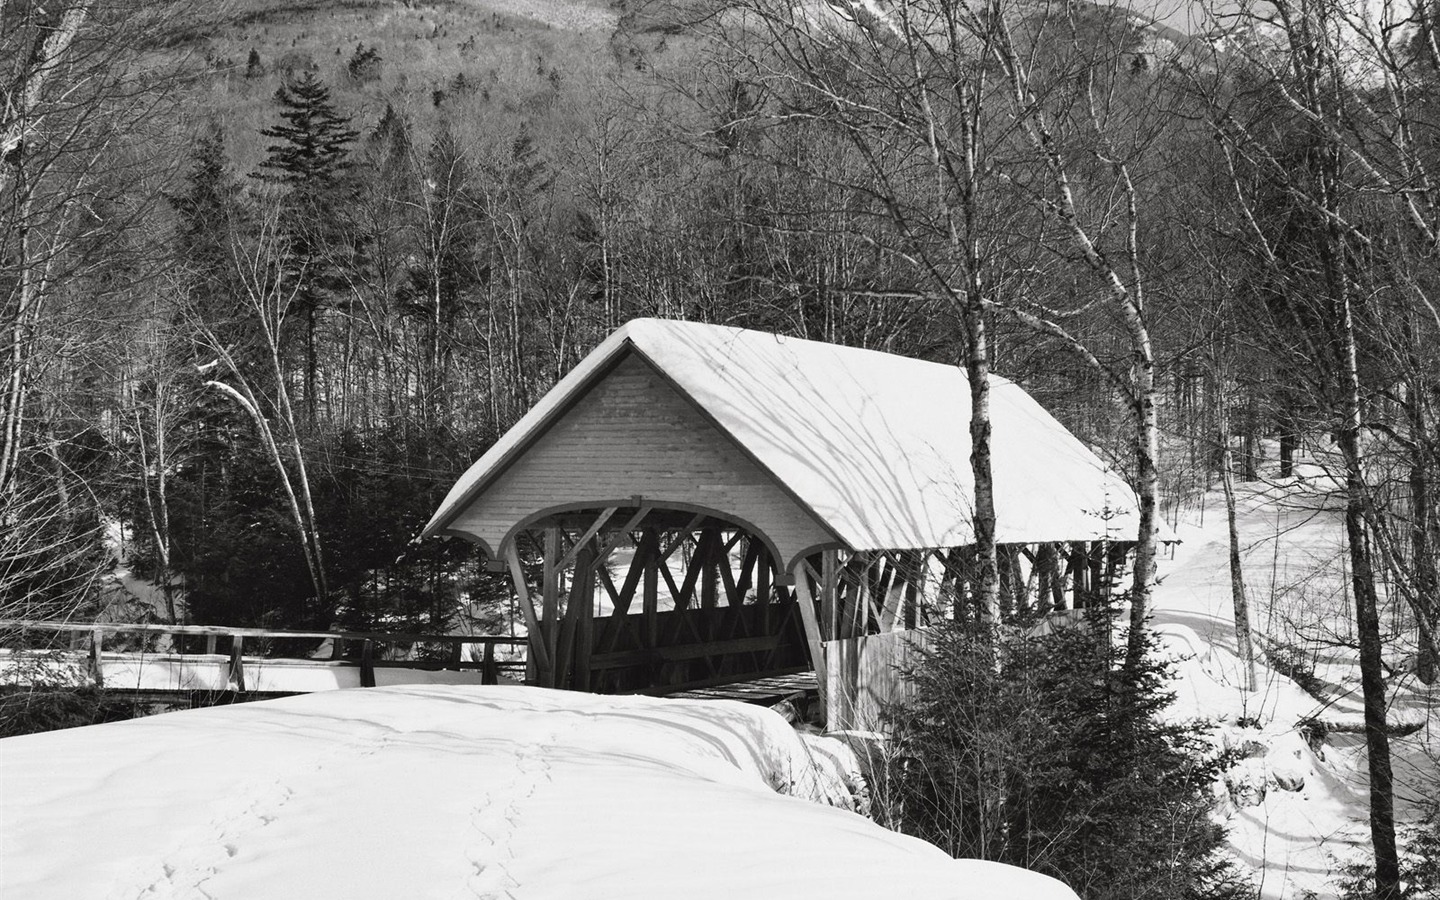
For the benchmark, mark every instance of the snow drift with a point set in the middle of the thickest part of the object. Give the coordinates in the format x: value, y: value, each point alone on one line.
x: 445, y: 791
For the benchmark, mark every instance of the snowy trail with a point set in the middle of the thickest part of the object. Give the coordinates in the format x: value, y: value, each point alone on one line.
x: 1309, y: 809
x: 455, y: 792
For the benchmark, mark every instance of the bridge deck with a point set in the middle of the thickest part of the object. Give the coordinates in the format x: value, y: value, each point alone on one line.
x: 765, y: 691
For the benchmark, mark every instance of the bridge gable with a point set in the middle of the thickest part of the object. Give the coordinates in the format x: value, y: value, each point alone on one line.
x: 632, y: 434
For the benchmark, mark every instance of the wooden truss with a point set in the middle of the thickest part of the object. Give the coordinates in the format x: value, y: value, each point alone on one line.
x: 655, y: 604
x: 656, y: 600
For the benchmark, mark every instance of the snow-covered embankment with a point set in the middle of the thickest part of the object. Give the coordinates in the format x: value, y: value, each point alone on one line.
x: 456, y: 791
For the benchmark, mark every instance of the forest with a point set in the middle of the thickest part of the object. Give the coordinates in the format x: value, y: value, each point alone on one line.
x: 273, y: 274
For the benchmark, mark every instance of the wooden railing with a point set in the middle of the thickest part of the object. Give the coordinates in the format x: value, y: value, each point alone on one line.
x: 368, y: 662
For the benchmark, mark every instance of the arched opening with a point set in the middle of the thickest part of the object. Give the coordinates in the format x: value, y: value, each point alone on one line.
x: 629, y: 598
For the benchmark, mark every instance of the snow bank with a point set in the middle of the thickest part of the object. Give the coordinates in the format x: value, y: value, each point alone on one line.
x: 442, y: 791
x: 1295, y: 811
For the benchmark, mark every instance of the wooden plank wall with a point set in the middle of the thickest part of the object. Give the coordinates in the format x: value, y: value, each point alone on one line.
x: 633, y: 435
x: 863, y: 675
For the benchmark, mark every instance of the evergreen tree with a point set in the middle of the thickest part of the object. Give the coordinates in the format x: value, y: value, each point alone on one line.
x: 206, y: 211
x: 1059, y: 760
x: 364, y: 65
x: 312, y: 164
x: 315, y: 138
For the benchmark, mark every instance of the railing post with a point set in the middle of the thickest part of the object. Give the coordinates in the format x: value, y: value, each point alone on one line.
x: 489, y: 672
x: 97, y: 664
x: 237, y: 662
x: 367, y: 663
x: 210, y: 644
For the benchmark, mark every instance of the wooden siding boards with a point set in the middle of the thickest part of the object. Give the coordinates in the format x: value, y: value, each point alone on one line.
x: 865, y: 675
x: 633, y: 435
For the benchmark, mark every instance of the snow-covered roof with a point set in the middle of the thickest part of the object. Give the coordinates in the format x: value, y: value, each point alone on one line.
x: 876, y: 446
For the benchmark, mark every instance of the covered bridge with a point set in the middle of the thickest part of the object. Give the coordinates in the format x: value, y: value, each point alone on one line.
x: 696, y: 504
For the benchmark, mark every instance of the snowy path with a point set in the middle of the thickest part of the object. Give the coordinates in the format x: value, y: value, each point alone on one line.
x: 1293, y: 557
x: 450, y: 792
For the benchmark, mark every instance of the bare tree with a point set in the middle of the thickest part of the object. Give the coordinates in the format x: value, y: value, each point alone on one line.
x: 83, y: 145
x: 269, y: 296
x: 1352, y: 91
x: 953, y: 105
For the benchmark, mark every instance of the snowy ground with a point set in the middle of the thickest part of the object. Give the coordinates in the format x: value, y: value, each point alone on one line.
x: 466, y: 791
x: 458, y: 792
x: 1296, y: 814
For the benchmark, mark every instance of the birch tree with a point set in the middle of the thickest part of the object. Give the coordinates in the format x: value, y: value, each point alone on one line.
x: 270, y: 296
x: 83, y: 147
x: 1356, y: 97
x: 975, y: 120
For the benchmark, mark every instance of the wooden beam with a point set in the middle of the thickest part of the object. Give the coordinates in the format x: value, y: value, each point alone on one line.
x: 719, y: 648
x: 227, y: 631
x: 736, y: 589
x: 237, y: 663
x: 97, y: 662
x: 550, y: 600
x: 763, y: 571
x: 538, y: 651
x: 1005, y: 581
x: 664, y: 570
x: 651, y: 599
x: 489, y: 672
x: 687, y: 590
x: 367, y: 666
x: 892, y: 586
x: 608, y: 547
x: 680, y: 536
x: 805, y: 601
x: 709, y: 557
x: 786, y: 599
x: 829, y: 584
x: 682, y: 652
x: 589, y: 533
x: 582, y: 597
x: 622, y: 599
x: 1078, y: 567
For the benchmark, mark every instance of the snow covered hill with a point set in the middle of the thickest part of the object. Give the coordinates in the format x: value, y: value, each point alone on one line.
x: 458, y: 791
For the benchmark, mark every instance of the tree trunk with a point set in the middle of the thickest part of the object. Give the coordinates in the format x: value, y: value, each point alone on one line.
x: 1288, y: 442
x: 1251, y: 449
x: 977, y: 367
x: 19, y: 337
x: 1422, y: 532
x: 1241, y: 605
x: 1362, y: 579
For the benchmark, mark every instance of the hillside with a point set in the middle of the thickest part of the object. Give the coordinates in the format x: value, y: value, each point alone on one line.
x: 473, y: 61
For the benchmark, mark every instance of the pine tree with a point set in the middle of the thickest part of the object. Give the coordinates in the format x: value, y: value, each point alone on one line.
x: 1054, y: 756
x: 205, y: 207
x: 316, y: 138
x: 312, y: 164
x: 364, y: 65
